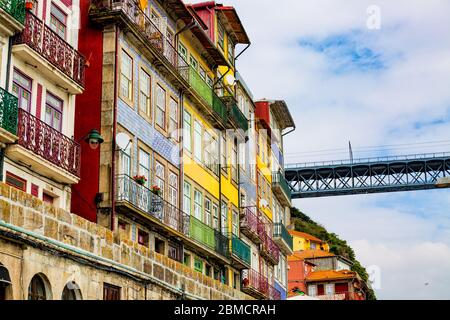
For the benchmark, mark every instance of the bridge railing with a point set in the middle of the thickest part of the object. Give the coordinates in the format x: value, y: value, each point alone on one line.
x: 368, y: 160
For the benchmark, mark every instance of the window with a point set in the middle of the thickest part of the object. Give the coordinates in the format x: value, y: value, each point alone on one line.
x: 208, y: 211
x: 193, y: 62
x: 187, y: 131
x: 144, y: 93
x: 111, y: 292
x: 172, y: 213
x: 36, y: 289
x: 215, y: 209
x: 215, y: 155
x: 224, y: 220
x: 202, y: 73
x: 182, y: 51
x: 198, y: 207
x: 207, y: 150
x: 173, y: 121
x: 230, y: 51
x: 235, y: 223
x: 160, y: 246
x: 160, y: 177
x: 144, y: 165
x: 175, y: 251
x: 187, y: 260
x: 161, y: 107
x: 221, y: 35
x: 329, y: 289
x: 312, y: 290
x: 223, y: 152
x: 198, y: 265
x: 58, y: 21
x: 143, y: 238
x: 208, y: 270
x: 71, y: 292
x: 53, y: 111
x: 21, y: 88
x: 48, y: 198
x: 234, y: 162
x: 35, y: 6
x: 34, y: 190
x: 16, y: 182
x: 187, y: 198
x: 125, y: 160
x: 313, y: 246
x: 126, y: 76
x: 198, y: 141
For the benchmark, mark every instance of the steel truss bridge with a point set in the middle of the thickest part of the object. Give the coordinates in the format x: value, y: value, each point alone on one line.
x: 370, y: 175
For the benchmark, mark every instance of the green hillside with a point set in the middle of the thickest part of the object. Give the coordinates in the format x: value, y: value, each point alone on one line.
x: 338, y: 246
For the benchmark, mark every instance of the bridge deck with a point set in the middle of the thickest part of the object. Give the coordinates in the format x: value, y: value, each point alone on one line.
x: 371, y: 175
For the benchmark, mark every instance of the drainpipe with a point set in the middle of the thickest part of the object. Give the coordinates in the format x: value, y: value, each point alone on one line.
x: 2, y: 160
x: 113, y: 152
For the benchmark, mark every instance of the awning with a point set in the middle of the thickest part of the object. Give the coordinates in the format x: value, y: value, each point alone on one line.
x: 4, y: 276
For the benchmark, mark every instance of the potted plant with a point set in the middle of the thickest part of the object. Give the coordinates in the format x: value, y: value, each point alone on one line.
x: 141, y: 180
x: 29, y: 5
x: 156, y: 190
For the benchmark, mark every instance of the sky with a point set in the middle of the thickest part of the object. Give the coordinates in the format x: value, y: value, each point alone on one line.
x: 375, y: 73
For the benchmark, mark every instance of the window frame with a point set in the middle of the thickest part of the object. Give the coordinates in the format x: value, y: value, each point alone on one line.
x: 58, y: 20
x: 148, y: 110
x: 187, y: 133
x: 22, y: 89
x: 130, y: 98
x: 55, y: 109
x: 162, y: 127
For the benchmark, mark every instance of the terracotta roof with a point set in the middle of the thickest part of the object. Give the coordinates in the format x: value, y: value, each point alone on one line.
x: 305, y: 236
x: 308, y: 254
x: 330, y: 275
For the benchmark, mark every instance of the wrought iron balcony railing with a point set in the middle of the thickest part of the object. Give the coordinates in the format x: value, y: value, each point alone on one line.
x: 15, y: 8
x: 238, y: 117
x: 249, y: 224
x: 147, y: 28
x: 222, y: 244
x: 279, y: 180
x: 207, y: 94
x: 53, y: 48
x: 240, y: 249
x: 254, y: 282
x: 280, y: 231
x: 47, y: 142
x: 209, y: 237
x: 142, y: 198
x: 274, y: 294
x: 9, y: 111
x: 269, y: 249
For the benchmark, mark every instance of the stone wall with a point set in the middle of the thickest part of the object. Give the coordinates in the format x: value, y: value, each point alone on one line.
x: 40, y: 238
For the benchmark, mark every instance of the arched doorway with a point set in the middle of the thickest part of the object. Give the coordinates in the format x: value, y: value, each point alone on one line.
x: 5, y: 284
x: 71, y: 292
x: 39, y: 288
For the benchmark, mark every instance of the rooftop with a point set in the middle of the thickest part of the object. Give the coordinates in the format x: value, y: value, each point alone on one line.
x: 316, y: 276
x: 305, y: 236
x: 308, y: 254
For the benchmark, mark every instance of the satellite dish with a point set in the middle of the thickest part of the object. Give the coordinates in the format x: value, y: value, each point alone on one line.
x: 123, y: 140
x: 230, y: 79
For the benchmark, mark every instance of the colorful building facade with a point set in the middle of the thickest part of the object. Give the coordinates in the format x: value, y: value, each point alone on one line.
x: 132, y: 116
x: 304, y: 241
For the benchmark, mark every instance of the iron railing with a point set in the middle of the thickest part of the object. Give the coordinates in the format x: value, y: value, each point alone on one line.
x: 249, y: 224
x: 274, y: 294
x: 222, y: 243
x: 254, y: 281
x: 9, y: 111
x: 238, y: 117
x: 269, y: 248
x: 47, y: 142
x: 15, y: 8
x: 202, y: 233
x: 279, y: 179
x: 280, y: 231
x: 147, y: 29
x: 53, y: 48
x: 144, y: 199
x: 240, y: 249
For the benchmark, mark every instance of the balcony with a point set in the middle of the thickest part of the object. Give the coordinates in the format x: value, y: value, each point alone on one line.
x: 282, y: 237
x: 249, y: 224
x: 9, y: 113
x: 237, y: 117
x: 12, y: 16
x: 54, y: 58
x: 274, y: 294
x: 240, y: 253
x: 200, y: 90
x: 146, y: 32
x: 131, y: 195
x: 209, y: 237
x: 269, y: 249
x: 255, y: 284
x: 46, y: 150
x: 281, y: 188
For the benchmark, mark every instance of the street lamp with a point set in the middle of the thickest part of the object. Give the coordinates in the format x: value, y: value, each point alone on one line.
x: 94, y: 139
